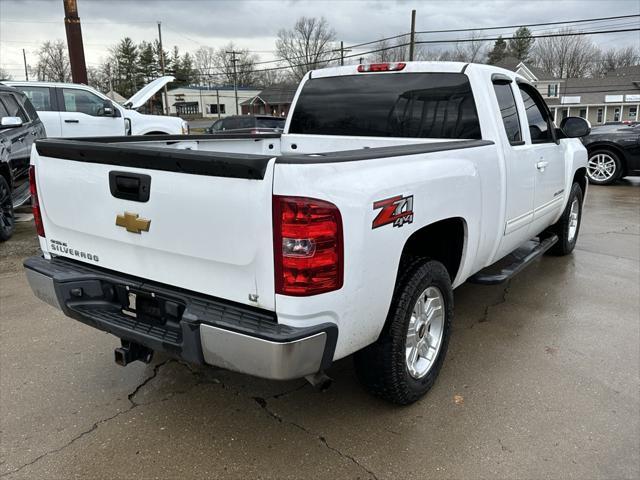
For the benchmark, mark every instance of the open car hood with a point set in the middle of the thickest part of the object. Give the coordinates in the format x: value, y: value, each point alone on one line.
x: 141, y: 97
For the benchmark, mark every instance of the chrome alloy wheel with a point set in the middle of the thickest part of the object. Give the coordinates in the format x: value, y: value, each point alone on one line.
x: 424, y: 335
x: 574, y: 218
x: 601, y: 167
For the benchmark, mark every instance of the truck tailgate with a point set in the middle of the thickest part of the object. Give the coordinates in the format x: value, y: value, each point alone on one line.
x: 209, y: 214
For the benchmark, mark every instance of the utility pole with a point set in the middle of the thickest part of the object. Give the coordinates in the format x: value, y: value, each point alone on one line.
x: 218, y: 101
x: 26, y: 71
x: 234, y: 60
x: 412, y: 43
x: 342, y: 52
x: 161, y: 55
x: 74, y: 42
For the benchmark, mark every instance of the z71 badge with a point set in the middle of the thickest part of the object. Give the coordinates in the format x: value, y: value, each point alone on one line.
x: 397, y: 210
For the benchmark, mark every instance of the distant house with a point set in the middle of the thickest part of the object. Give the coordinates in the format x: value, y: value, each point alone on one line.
x: 116, y: 97
x: 275, y: 100
x: 207, y: 101
x: 612, y: 98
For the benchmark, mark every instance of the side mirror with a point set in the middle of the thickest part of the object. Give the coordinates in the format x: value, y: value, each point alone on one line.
x: 575, y: 127
x: 10, y: 122
x: 107, y: 109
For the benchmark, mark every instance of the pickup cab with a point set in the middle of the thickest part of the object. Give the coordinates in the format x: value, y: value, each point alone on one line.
x: 75, y: 110
x: 276, y: 254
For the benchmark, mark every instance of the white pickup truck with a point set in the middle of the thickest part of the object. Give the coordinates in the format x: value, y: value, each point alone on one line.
x: 276, y: 254
x: 72, y: 110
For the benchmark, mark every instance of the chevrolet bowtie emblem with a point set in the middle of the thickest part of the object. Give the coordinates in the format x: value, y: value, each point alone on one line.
x: 132, y: 223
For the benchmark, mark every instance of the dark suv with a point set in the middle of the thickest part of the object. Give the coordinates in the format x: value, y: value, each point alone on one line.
x: 19, y: 128
x: 248, y: 124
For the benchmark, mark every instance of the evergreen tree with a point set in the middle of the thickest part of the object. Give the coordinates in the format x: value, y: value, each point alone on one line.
x: 125, y: 55
x: 148, y: 67
x: 521, y: 43
x: 498, y: 51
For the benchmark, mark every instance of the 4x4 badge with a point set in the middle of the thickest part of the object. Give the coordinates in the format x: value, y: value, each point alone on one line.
x: 132, y: 223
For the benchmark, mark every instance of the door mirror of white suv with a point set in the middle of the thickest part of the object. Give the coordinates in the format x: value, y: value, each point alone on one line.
x: 575, y: 127
x: 10, y: 122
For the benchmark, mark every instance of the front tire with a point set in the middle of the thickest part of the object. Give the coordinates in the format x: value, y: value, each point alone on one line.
x: 403, y: 364
x: 604, y: 167
x: 7, y: 218
x: 568, y: 227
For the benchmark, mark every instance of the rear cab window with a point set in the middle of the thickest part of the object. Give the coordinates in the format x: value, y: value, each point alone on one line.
x: 415, y: 105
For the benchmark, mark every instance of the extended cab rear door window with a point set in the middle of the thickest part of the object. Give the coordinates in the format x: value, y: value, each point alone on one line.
x: 508, y: 111
x: 537, y: 115
x: 416, y: 105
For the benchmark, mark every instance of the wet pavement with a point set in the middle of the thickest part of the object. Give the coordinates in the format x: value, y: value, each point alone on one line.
x: 541, y: 381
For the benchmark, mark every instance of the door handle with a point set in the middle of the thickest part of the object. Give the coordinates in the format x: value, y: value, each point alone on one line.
x: 542, y: 165
x: 72, y: 121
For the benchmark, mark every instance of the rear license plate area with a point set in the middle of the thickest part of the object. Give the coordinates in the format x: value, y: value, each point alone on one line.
x: 150, y: 308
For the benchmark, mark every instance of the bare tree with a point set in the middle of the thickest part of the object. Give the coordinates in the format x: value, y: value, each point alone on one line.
x: 473, y: 51
x: 5, y: 75
x: 245, y: 65
x: 565, y: 56
x: 53, y: 62
x: 307, y: 46
x: 614, y: 59
x: 269, y: 77
x: 205, y: 63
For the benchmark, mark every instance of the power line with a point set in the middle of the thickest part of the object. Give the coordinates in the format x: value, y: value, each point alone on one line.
x: 585, y: 20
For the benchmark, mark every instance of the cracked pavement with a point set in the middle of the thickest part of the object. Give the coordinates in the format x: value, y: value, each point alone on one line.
x: 541, y: 381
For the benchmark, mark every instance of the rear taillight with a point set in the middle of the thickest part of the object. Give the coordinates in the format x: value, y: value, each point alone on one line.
x: 381, y: 67
x: 307, y: 243
x: 35, y: 203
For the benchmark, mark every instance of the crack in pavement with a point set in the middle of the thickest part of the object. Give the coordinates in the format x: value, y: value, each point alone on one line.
x: 95, y: 425
x: 263, y: 403
x: 503, y: 299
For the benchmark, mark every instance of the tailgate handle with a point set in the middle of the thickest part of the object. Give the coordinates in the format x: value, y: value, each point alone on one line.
x: 130, y: 186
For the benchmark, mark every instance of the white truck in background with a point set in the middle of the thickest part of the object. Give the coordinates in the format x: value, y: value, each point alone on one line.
x: 72, y: 110
x: 274, y: 255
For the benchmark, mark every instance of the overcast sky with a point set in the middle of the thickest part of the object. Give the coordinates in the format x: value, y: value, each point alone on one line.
x: 254, y: 24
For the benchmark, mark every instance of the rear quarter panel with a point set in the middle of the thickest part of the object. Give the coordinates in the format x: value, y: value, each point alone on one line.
x: 443, y: 185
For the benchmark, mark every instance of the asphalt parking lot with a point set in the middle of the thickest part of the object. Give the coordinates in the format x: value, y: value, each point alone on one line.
x: 541, y: 381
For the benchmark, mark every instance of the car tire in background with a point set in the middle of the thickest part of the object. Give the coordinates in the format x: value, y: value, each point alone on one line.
x: 7, y: 217
x: 402, y: 365
x: 604, y: 167
x: 568, y: 227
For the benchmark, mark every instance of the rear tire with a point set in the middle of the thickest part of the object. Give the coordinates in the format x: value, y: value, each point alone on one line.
x: 7, y: 217
x: 568, y: 227
x: 604, y: 167
x: 403, y: 364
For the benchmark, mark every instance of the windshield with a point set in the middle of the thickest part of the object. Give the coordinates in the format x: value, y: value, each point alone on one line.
x: 420, y: 105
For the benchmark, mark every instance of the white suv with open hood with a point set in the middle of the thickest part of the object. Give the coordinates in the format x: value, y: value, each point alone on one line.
x: 74, y: 110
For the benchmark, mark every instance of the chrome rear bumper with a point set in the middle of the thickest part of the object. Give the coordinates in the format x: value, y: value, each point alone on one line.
x: 209, y: 330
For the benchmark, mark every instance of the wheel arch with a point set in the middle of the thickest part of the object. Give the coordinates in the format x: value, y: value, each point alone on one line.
x: 580, y: 177
x: 443, y: 240
x: 156, y: 132
x: 5, y: 172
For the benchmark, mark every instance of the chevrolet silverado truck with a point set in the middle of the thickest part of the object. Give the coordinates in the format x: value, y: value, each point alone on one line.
x: 276, y: 254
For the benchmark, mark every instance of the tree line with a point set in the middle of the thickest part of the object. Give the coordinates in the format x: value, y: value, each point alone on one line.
x: 312, y: 43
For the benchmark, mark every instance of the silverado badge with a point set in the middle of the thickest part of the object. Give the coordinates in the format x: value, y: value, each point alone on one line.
x: 132, y: 223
